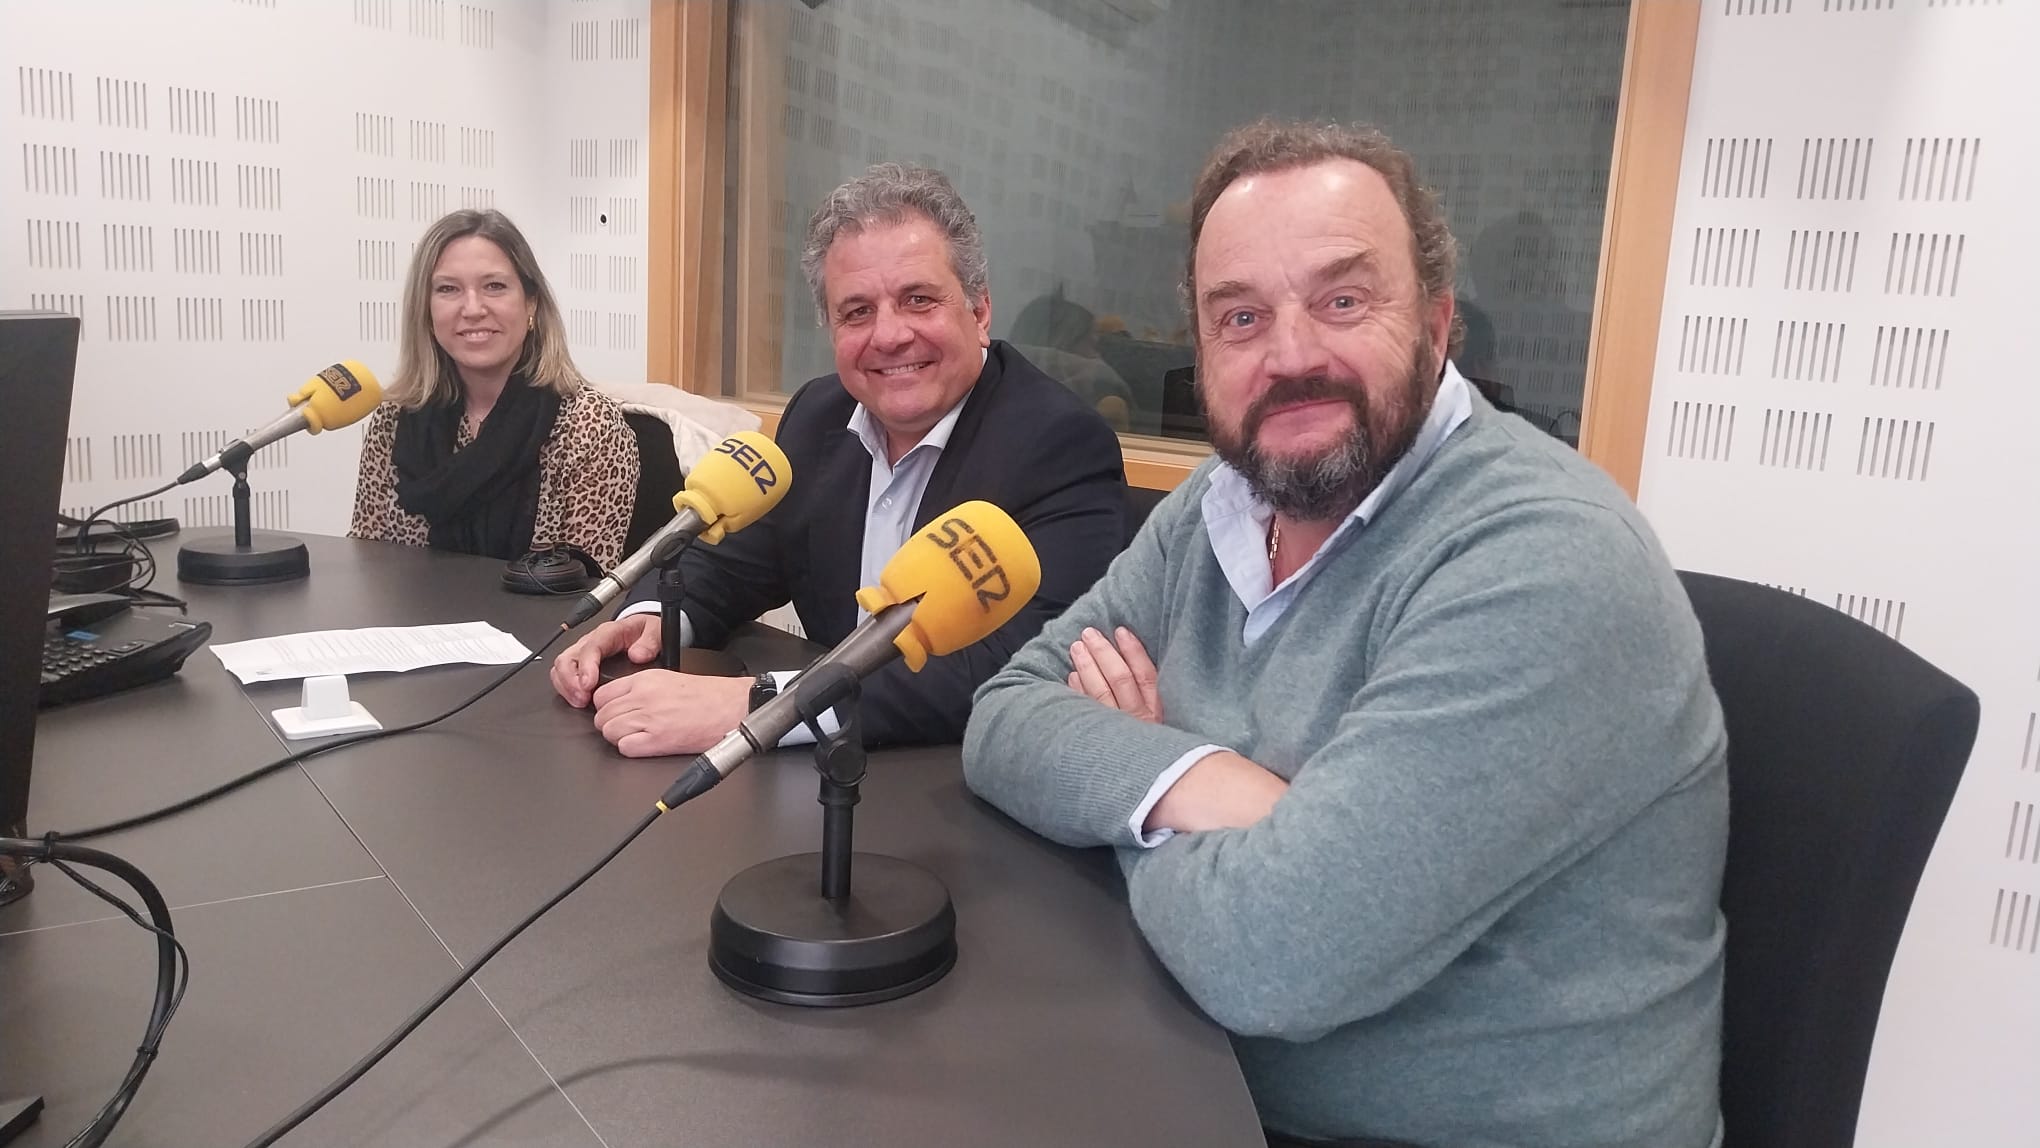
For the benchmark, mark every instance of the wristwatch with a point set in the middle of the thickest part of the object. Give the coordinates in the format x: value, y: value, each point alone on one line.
x: 764, y: 688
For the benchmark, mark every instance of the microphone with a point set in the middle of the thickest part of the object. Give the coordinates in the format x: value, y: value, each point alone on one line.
x: 951, y: 585
x: 730, y: 488
x: 338, y: 396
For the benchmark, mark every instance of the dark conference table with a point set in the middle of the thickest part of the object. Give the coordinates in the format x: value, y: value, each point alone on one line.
x: 322, y: 904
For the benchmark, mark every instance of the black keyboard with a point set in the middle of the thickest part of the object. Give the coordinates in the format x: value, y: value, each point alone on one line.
x: 116, y: 653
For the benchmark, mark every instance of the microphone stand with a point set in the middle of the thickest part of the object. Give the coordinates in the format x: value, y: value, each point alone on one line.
x: 839, y: 759
x: 777, y: 936
x: 672, y: 588
x: 247, y: 556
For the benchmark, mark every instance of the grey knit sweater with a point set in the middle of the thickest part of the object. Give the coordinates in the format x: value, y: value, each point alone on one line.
x: 1485, y: 913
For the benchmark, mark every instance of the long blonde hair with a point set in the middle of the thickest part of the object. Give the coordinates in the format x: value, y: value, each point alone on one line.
x: 425, y: 372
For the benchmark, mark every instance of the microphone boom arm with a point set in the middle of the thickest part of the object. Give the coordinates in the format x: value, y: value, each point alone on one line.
x: 661, y: 548
x: 862, y: 653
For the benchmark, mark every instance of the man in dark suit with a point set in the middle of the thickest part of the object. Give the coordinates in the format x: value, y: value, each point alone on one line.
x: 925, y: 411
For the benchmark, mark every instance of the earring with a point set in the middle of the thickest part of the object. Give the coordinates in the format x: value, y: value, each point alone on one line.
x: 531, y: 322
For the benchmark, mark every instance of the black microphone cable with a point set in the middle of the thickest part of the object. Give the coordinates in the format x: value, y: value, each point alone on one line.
x: 262, y: 771
x: 232, y: 784
x: 360, y: 1067
x: 140, y: 560
x: 173, y: 964
x: 699, y: 777
x: 84, y: 543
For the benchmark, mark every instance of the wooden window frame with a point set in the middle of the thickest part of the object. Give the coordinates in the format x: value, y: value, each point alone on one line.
x: 690, y: 93
x: 684, y: 232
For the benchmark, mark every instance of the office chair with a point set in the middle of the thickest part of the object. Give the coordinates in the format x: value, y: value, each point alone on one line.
x: 660, y: 477
x: 1144, y: 366
x: 1844, y: 751
x: 1140, y: 502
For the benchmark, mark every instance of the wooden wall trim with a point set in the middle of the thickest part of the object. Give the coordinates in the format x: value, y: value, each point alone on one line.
x: 1156, y: 469
x: 689, y: 86
x: 662, y: 208
x: 759, y: 254
x: 1636, y: 236
x: 1148, y: 467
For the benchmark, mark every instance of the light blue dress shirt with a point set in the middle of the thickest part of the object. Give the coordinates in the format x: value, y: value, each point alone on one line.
x: 895, y: 493
x: 1237, y: 524
x: 896, y: 489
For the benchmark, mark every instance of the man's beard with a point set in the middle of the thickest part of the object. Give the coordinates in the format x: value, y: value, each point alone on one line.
x: 1332, y: 483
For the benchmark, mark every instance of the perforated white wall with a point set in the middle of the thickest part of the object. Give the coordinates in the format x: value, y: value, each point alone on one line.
x: 1844, y: 406
x: 228, y: 192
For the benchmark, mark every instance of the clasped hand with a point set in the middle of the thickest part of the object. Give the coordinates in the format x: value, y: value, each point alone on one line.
x: 1116, y: 673
x: 1223, y: 790
x: 651, y: 713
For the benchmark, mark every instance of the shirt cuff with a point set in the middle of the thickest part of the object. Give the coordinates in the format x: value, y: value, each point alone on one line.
x: 650, y: 607
x: 1169, y: 777
x: 800, y: 734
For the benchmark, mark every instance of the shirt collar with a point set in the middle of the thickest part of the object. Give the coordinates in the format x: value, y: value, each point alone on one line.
x: 936, y: 440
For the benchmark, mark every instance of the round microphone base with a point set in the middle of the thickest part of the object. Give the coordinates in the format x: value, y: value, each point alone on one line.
x: 17, y: 880
x: 214, y: 560
x: 773, y: 935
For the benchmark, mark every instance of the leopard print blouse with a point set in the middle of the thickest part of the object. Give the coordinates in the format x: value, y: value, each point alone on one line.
x: 587, y: 480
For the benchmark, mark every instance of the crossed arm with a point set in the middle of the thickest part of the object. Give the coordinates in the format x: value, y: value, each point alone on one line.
x: 1222, y: 790
x: 1536, y: 695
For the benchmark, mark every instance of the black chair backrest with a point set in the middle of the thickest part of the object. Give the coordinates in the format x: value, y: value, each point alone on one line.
x: 1844, y: 751
x: 1140, y: 502
x: 659, y: 477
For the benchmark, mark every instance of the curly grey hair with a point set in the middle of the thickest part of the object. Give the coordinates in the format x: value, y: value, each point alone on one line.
x: 884, y: 195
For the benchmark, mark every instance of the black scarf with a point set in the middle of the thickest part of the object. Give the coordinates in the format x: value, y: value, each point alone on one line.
x: 483, y: 498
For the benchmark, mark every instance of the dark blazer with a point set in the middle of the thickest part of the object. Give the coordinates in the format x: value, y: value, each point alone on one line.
x: 1023, y: 443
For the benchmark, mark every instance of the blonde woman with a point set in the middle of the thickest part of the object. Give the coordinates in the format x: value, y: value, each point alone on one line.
x: 489, y: 441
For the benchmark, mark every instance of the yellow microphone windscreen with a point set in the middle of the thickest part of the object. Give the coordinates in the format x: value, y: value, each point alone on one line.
x: 341, y: 394
x: 972, y: 569
x: 735, y: 484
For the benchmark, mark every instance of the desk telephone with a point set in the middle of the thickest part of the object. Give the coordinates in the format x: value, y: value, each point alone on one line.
x: 95, y: 644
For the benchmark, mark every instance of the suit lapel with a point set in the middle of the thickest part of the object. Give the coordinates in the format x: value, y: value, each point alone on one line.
x: 942, y: 483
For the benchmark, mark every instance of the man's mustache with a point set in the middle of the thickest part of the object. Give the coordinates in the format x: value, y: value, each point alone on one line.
x: 1303, y: 389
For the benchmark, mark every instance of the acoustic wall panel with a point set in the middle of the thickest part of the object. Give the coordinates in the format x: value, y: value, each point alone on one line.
x: 1844, y: 408
x: 599, y: 50
x: 226, y: 228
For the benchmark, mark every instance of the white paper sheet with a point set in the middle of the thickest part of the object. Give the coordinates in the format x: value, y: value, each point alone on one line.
x: 371, y: 650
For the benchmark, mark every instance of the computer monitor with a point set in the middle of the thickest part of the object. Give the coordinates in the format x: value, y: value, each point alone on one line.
x: 38, y: 358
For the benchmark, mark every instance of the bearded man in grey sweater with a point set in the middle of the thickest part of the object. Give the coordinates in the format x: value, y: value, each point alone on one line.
x: 1395, y: 711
